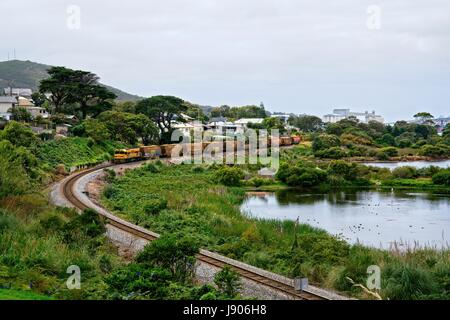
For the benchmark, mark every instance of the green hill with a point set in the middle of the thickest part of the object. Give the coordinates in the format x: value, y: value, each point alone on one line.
x: 27, y: 74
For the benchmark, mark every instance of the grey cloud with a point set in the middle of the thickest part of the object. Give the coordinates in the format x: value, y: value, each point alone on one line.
x: 296, y: 56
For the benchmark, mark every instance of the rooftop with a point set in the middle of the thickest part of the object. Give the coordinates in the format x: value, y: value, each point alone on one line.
x: 8, y: 99
x: 249, y: 120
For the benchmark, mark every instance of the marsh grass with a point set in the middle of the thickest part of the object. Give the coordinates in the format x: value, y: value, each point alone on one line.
x: 199, y: 207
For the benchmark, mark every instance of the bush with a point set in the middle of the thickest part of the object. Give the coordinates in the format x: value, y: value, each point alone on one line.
x: 151, y: 167
x: 175, y: 255
x: 89, y: 224
x: 442, y: 177
x: 404, y: 172
x: 325, y: 141
x: 356, y: 139
x: 428, y: 171
x: 110, y: 175
x: 228, y: 282
x: 341, y: 168
x: 331, y: 153
x: 138, y: 279
x: 440, y: 150
x: 229, y: 176
x: 386, y: 153
x: 301, y: 175
x: 19, y: 135
x: 154, y: 206
x: 390, y: 151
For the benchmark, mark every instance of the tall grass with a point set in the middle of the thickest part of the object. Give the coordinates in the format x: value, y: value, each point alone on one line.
x: 210, y: 212
x: 35, y: 251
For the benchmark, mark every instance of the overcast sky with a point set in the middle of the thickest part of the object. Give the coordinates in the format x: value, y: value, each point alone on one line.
x: 296, y: 56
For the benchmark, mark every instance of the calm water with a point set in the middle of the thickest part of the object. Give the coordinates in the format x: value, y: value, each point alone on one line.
x: 374, y: 218
x: 417, y: 164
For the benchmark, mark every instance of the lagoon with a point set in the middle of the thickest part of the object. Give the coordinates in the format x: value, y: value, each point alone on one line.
x: 381, y: 219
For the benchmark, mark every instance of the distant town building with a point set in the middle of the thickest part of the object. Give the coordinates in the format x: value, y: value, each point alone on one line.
x: 18, y: 92
x: 284, y: 117
x: 244, y: 122
x: 187, y: 127
x: 340, y: 114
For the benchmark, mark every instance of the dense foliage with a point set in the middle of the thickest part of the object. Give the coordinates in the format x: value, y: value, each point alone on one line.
x: 351, y: 138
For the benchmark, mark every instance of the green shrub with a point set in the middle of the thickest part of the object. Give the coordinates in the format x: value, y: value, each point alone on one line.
x: 154, y: 206
x: 437, y: 151
x: 228, y: 282
x: 110, y: 175
x: 175, y: 255
x: 88, y: 224
x: 428, y: 171
x: 139, y: 279
x: 198, y: 169
x: 442, y: 177
x: 332, y: 153
x: 404, y: 172
x: 325, y: 141
x: 229, y: 176
x: 390, y: 151
x: 305, y: 177
x: 152, y: 167
x: 344, y: 169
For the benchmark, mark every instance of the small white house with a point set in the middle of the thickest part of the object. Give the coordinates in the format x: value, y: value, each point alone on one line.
x: 7, y: 103
x: 188, y: 127
x: 244, y: 122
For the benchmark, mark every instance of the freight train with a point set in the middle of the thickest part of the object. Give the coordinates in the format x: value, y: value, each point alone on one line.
x: 165, y: 150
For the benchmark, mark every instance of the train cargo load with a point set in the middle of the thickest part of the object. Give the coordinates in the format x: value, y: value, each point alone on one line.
x: 296, y: 139
x: 150, y: 152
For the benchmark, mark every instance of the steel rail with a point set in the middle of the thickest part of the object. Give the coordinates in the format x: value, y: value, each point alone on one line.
x: 70, y: 195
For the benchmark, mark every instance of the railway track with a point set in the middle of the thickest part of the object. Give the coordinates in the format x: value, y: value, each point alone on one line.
x: 204, y: 256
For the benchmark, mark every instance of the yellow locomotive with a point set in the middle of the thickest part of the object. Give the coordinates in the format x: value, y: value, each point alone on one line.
x: 134, y: 154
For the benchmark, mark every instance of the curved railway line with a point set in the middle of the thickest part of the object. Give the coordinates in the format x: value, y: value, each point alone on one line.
x: 204, y: 256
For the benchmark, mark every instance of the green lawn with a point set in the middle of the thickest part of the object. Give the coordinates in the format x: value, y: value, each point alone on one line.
x: 9, y: 294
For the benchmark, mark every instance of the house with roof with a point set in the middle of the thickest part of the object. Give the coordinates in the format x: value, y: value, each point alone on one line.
x: 187, y: 127
x: 341, y: 114
x: 31, y: 108
x: 7, y: 103
x: 244, y: 122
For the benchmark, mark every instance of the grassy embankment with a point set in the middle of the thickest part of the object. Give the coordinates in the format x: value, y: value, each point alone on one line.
x: 77, y: 151
x: 38, y: 241
x: 185, y: 200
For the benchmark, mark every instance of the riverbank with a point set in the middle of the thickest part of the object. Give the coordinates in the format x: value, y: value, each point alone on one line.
x: 185, y: 200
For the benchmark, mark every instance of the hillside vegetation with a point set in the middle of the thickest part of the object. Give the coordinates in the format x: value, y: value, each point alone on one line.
x: 28, y: 74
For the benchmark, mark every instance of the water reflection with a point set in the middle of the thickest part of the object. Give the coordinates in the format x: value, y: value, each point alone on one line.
x: 375, y: 218
x: 416, y: 164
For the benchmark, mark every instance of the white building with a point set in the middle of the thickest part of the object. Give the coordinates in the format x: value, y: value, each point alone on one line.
x: 187, y: 127
x: 7, y: 103
x: 284, y: 117
x: 18, y: 92
x: 244, y: 122
x: 340, y: 114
